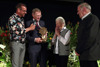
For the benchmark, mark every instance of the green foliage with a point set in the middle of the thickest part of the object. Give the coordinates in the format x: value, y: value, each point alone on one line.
x: 73, y: 60
x: 4, y: 41
x: 73, y: 40
x: 50, y: 36
x: 98, y: 63
x: 49, y: 39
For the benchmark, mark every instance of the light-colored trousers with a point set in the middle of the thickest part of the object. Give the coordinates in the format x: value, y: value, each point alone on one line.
x: 17, y: 54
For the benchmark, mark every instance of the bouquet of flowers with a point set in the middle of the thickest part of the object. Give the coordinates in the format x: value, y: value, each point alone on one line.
x: 49, y: 39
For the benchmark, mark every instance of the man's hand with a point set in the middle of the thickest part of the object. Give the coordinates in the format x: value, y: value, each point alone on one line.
x: 38, y: 40
x: 32, y: 27
x: 77, y: 54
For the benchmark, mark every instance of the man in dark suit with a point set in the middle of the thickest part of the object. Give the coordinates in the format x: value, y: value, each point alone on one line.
x: 37, y: 49
x: 88, y: 48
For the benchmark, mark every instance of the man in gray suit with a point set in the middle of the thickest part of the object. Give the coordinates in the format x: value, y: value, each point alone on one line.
x: 61, y: 43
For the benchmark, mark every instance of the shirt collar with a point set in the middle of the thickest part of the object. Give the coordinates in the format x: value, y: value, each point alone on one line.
x: 16, y: 15
x: 36, y: 22
x: 33, y: 19
x: 63, y: 29
x: 85, y: 15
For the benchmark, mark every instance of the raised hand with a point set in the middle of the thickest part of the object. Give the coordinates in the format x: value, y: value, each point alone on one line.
x: 57, y: 31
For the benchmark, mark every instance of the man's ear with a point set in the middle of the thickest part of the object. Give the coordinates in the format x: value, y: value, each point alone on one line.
x: 32, y: 15
x: 18, y: 10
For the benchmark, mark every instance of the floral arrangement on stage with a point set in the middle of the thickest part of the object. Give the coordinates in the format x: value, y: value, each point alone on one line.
x: 4, y: 47
x: 73, y: 59
x: 49, y: 39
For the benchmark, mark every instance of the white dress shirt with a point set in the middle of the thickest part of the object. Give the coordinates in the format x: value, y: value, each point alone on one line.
x: 39, y: 26
x: 37, y: 23
x: 85, y: 15
x: 65, y: 40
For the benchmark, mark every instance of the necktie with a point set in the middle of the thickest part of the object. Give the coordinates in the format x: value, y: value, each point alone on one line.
x: 37, y: 25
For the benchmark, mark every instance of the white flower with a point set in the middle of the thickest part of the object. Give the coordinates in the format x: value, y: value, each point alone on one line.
x: 2, y: 46
x: 3, y: 64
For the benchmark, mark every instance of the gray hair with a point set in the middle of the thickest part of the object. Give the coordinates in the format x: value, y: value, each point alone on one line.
x: 36, y: 10
x: 85, y: 5
x: 61, y: 20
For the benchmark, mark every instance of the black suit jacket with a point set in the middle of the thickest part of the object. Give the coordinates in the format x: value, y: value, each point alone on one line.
x: 31, y: 35
x: 88, y: 38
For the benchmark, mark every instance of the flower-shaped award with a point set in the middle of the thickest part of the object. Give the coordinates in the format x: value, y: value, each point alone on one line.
x: 43, y: 31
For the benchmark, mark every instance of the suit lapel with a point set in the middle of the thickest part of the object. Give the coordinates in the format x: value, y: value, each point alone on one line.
x: 40, y: 24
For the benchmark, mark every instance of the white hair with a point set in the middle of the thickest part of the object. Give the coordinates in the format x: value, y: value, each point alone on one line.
x: 61, y: 20
x: 85, y: 5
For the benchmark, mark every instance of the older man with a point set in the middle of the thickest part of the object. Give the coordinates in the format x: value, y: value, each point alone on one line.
x: 37, y: 49
x: 61, y: 43
x: 88, y: 48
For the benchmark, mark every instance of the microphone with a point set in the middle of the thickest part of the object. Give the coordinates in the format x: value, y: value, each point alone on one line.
x: 34, y: 22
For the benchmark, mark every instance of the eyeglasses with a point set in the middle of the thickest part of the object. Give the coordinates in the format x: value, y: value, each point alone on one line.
x: 39, y: 15
x: 24, y: 10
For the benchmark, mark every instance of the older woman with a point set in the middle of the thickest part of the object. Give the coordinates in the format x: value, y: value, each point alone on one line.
x: 61, y: 42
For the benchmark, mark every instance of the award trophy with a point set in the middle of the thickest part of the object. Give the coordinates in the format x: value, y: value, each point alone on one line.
x: 43, y: 31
